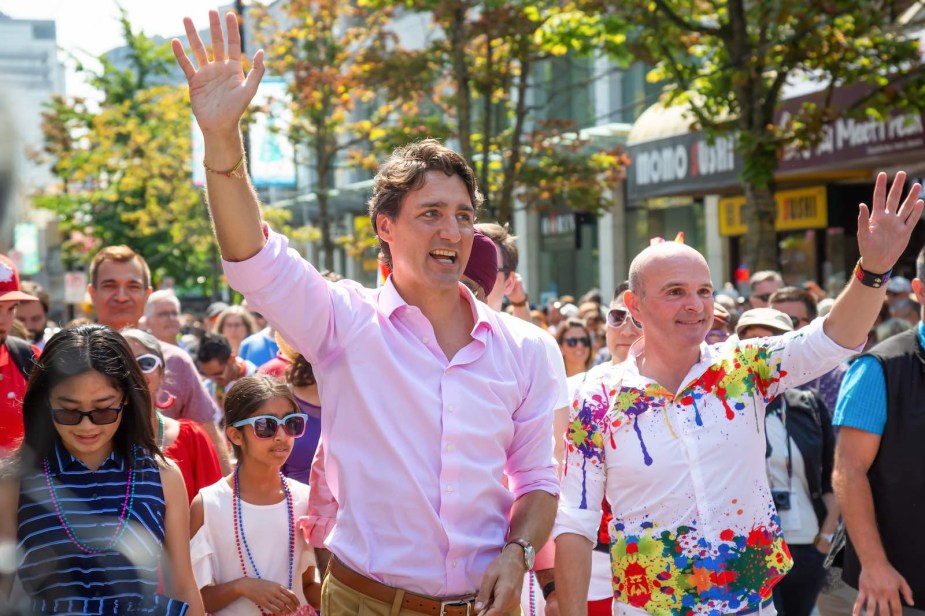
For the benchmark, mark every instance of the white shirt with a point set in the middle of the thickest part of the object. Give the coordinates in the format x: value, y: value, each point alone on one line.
x: 214, y: 552
x: 799, y: 523
x: 694, y: 525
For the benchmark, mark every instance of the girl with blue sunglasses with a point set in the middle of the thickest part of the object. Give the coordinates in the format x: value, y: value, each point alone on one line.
x: 248, y: 555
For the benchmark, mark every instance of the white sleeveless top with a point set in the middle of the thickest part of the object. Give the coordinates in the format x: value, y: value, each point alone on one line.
x: 215, y: 555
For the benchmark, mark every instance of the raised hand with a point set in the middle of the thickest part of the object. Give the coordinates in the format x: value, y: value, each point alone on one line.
x: 219, y: 90
x: 885, y: 227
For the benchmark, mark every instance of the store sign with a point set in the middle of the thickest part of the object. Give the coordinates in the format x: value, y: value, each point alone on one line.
x: 804, y: 208
x: 849, y: 139
x: 685, y: 162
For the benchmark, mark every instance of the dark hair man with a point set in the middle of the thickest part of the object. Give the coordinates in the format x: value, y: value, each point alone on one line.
x: 425, y: 521
x: 120, y: 284
x: 880, y: 469
x: 673, y: 436
x: 34, y: 315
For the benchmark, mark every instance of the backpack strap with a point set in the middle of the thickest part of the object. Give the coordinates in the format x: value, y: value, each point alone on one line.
x: 22, y: 354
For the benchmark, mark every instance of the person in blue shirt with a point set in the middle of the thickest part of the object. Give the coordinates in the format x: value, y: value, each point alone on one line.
x: 879, y: 473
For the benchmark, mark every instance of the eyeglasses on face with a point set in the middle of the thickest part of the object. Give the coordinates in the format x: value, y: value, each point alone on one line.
x: 98, y: 417
x: 765, y: 297
x: 265, y: 426
x: 798, y: 321
x: 149, y: 362
x: 616, y: 317
x: 574, y: 342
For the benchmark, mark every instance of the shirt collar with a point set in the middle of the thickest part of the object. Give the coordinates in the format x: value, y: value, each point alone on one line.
x: 63, y: 462
x: 390, y: 301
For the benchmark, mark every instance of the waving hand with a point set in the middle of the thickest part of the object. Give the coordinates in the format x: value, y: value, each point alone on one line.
x: 219, y: 90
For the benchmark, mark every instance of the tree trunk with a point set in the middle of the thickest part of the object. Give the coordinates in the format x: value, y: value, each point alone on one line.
x: 486, y: 127
x: 512, y: 165
x: 760, y: 242
x: 461, y: 74
x: 323, y: 160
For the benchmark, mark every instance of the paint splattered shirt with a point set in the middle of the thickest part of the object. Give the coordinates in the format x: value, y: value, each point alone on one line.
x: 694, y: 529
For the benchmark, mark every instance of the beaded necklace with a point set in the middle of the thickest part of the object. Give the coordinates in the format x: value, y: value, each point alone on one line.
x: 123, y: 517
x: 240, y: 538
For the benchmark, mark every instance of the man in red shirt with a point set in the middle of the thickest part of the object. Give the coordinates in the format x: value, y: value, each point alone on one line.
x: 16, y: 358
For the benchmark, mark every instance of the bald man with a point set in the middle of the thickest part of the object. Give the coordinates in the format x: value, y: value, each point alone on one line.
x: 674, y: 436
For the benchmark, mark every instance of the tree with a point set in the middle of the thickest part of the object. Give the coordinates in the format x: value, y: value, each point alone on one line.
x: 342, y: 63
x: 484, y: 59
x: 731, y: 59
x: 124, y: 166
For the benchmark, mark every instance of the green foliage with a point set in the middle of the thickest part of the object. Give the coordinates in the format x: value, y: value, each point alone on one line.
x: 348, y: 85
x: 730, y: 59
x: 124, y: 167
x: 482, y: 62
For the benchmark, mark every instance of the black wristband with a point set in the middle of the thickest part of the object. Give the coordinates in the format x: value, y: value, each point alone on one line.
x: 548, y: 589
x: 870, y: 279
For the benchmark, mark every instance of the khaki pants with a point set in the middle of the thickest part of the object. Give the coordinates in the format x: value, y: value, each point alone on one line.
x: 339, y: 600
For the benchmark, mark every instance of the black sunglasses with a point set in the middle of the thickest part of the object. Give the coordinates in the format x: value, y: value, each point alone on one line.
x: 764, y: 297
x: 617, y: 317
x: 574, y: 342
x: 98, y: 417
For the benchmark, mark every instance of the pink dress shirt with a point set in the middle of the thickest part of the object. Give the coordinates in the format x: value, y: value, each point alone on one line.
x: 416, y: 445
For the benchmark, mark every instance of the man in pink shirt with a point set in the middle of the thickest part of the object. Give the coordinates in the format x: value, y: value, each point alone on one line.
x: 429, y: 397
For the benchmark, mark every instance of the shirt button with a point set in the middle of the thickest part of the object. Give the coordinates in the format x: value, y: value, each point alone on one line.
x: 454, y: 564
x: 449, y: 488
x: 451, y: 407
x: 449, y: 448
x: 426, y: 340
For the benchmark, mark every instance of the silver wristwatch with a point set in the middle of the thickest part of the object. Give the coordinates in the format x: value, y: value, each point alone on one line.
x: 529, y: 552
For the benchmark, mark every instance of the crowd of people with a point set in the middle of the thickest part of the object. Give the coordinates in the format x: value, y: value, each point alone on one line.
x: 441, y: 446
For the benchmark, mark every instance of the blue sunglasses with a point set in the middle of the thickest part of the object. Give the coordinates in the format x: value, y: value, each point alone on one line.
x: 265, y: 426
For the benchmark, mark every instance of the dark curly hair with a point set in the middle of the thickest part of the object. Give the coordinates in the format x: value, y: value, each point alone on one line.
x: 405, y: 171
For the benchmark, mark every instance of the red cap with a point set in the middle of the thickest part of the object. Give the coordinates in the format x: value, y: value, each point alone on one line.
x: 9, y: 283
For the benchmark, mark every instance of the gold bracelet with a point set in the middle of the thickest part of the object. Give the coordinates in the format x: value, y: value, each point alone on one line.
x: 238, y: 171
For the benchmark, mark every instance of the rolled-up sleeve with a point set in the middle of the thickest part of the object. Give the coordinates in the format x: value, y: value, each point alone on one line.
x: 530, y: 463
x: 584, y: 475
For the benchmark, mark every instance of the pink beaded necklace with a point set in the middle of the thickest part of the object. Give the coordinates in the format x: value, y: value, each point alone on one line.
x: 123, y: 517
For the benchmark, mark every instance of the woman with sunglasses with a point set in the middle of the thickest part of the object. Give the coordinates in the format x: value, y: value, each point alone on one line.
x: 96, y: 506
x: 575, y: 343
x: 183, y: 440
x: 249, y: 558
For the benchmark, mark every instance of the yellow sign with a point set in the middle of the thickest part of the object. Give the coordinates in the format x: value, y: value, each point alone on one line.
x: 804, y: 208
